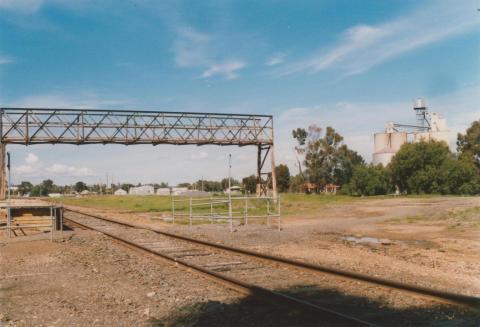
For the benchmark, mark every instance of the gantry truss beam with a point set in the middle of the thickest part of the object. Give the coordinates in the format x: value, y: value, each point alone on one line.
x: 92, y: 126
x: 87, y: 126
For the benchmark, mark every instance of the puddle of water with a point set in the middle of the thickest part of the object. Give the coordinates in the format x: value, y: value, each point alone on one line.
x: 368, y: 240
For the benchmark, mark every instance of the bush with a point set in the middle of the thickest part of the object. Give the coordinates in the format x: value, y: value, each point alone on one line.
x: 369, y: 180
x: 430, y: 168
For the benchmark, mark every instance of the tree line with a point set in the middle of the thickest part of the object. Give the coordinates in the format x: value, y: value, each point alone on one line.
x: 417, y: 168
x: 324, y: 159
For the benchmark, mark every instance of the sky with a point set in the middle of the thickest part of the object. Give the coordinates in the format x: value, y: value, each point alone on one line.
x: 352, y: 65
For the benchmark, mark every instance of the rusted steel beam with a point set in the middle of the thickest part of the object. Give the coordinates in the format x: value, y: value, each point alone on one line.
x: 81, y: 126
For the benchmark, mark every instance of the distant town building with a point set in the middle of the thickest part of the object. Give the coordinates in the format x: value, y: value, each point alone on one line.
x: 120, y: 192
x: 179, y: 190
x: 142, y: 190
x: 54, y: 195
x: 234, y: 190
x: 163, y: 191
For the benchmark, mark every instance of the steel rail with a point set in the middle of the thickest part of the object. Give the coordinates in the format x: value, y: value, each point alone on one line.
x: 234, y: 283
x: 442, y: 296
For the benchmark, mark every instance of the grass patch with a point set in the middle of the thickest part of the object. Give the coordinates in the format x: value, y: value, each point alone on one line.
x: 134, y: 203
x: 453, y: 219
x: 291, y: 204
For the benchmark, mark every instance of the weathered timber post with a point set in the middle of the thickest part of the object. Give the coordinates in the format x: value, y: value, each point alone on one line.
x: 259, y: 170
x: 3, y: 175
x: 274, y: 175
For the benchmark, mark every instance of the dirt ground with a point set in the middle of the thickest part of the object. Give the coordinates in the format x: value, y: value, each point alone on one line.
x: 83, y: 278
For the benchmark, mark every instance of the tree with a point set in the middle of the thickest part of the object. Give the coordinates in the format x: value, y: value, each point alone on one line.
x: 45, y: 188
x: 283, y: 177
x: 80, y: 186
x: 347, y: 160
x: 430, y: 167
x: 413, y: 167
x: 25, y: 187
x: 224, y: 183
x: 126, y: 186
x: 468, y: 144
x: 370, y: 180
x: 187, y: 185
x: 300, y: 134
x: 296, y: 183
x: 327, y: 158
x: 250, y: 184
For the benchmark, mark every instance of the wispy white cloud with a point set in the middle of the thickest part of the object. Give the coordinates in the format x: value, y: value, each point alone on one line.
x: 23, y: 6
x: 362, y: 47
x: 29, y: 167
x: 191, y: 48
x: 32, y: 167
x: 5, y: 60
x: 28, y: 7
x: 85, y: 100
x: 31, y: 159
x: 66, y: 170
x: 276, y: 59
x: 358, y: 121
x: 196, y: 50
x: 199, y: 156
x: 227, y: 69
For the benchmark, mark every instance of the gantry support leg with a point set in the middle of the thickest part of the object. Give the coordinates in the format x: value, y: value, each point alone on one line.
x: 274, y: 175
x: 263, y: 185
x: 3, y: 174
x: 259, y: 171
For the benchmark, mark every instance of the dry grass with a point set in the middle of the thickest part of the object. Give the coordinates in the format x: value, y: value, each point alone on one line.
x: 452, y: 219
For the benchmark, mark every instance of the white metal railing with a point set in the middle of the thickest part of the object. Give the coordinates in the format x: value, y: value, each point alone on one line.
x: 232, y: 209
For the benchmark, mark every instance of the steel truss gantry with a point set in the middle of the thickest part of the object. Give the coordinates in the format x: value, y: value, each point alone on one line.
x: 30, y: 126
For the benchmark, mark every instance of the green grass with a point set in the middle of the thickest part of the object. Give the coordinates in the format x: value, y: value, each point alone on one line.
x: 291, y: 204
x: 125, y: 203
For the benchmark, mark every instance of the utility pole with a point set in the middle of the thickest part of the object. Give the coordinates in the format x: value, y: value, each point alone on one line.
x: 106, y: 186
x: 9, y: 181
x: 230, y: 191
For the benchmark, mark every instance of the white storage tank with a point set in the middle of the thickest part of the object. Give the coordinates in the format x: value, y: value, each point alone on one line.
x: 397, y: 140
x: 383, y: 158
x: 382, y: 141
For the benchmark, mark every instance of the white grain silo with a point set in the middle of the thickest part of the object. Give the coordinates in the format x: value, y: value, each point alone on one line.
x: 428, y: 127
x: 397, y: 139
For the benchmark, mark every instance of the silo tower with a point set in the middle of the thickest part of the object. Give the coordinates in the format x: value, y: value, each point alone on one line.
x: 421, y: 113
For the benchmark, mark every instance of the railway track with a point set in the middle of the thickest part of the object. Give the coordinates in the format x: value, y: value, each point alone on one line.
x: 254, y: 273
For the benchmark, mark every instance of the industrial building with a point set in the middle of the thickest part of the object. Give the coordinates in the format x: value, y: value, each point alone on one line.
x: 428, y: 126
x: 142, y: 190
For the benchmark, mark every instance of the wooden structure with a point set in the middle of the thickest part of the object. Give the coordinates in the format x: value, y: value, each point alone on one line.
x: 18, y: 218
x: 30, y: 126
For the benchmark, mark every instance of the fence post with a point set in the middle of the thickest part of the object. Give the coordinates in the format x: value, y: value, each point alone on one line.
x: 246, y: 210
x: 190, y: 211
x: 173, y: 210
x: 279, y: 215
x: 52, y: 221
x: 211, y: 210
x: 268, y: 211
x: 9, y: 222
x: 230, y: 215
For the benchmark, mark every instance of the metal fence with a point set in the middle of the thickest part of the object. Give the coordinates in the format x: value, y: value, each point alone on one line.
x: 231, y: 210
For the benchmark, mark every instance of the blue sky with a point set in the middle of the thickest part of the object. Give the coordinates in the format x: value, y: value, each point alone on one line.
x: 353, y: 65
